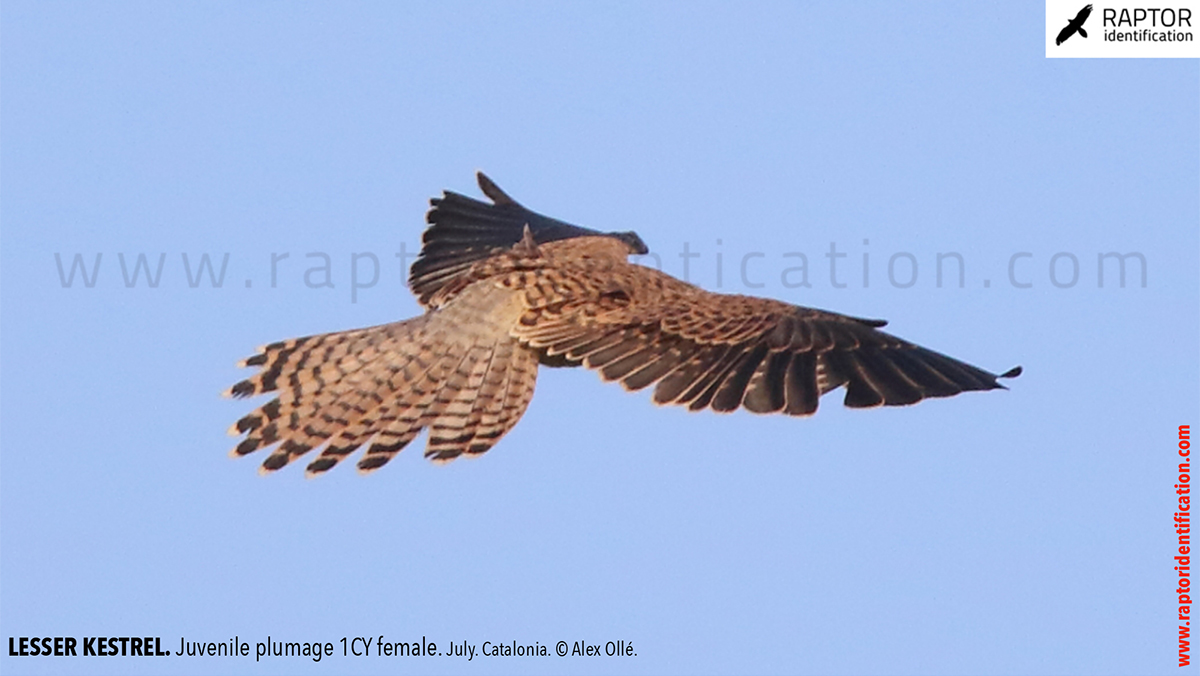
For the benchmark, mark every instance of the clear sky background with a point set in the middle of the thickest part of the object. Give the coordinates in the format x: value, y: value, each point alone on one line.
x: 1027, y: 531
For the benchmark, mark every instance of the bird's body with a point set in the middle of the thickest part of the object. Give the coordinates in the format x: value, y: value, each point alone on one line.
x: 506, y: 292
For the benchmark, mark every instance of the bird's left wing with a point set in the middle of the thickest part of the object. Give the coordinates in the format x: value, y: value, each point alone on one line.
x: 463, y: 232
x: 706, y: 350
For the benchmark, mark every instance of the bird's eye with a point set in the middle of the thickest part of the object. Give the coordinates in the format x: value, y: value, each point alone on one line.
x: 618, y: 296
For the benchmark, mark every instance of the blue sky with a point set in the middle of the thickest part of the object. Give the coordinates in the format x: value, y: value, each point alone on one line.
x: 1026, y: 531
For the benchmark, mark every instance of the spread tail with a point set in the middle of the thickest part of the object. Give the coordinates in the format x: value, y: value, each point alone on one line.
x: 379, y: 387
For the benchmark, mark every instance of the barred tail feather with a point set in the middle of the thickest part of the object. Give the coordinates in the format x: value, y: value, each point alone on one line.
x: 379, y: 387
x: 490, y: 394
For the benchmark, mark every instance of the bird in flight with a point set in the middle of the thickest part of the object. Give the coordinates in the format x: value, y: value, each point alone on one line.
x: 1074, y: 25
x: 505, y: 290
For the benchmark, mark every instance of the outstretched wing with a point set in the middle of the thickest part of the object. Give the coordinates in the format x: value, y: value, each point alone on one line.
x: 464, y: 231
x: 1082, y: 15
x: 707, y: 350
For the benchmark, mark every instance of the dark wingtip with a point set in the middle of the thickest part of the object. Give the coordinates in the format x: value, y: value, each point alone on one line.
x: 873, y: 323
x: 1011, y: 373
x: 493, y: 191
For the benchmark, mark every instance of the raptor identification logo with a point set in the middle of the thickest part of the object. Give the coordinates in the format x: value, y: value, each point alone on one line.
x: 1076, y: 29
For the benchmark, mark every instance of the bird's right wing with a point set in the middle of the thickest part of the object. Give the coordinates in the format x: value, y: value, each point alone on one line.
x: 641, y: 327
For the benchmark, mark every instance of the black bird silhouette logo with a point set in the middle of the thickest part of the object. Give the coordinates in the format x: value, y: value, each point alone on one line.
x: 1075, y: 26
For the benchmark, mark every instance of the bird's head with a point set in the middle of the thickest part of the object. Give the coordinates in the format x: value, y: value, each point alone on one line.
x: 631, y: 239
